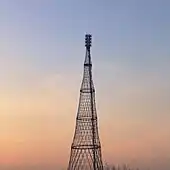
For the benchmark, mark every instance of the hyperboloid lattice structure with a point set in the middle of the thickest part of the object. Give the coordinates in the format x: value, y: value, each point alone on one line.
x: 86, y: 148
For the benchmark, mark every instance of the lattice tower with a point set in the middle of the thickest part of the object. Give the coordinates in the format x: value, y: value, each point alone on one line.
x: 86, y: 147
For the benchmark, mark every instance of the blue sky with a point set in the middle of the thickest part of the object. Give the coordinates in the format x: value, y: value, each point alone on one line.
x: 133, y: 33
x: 42, y: 47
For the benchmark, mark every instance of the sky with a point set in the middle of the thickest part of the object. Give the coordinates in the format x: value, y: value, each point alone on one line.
x: 41, y: 66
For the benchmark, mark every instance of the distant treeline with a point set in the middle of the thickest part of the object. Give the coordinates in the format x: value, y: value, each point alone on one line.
x: 118, y: 167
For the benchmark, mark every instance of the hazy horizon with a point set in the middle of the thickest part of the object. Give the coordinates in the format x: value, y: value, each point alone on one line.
x: 41, y: 66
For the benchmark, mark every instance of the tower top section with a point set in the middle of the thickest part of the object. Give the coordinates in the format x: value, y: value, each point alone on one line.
x: 88, y: 40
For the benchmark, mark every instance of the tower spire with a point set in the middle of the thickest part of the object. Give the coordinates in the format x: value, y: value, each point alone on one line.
x: 86, y: 148
x: 88, y: 41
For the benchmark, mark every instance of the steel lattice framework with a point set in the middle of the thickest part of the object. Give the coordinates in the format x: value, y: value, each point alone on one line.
x: 86, y: 148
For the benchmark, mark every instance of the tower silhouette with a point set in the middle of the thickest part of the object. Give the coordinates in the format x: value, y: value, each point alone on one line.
x: 86, y: 148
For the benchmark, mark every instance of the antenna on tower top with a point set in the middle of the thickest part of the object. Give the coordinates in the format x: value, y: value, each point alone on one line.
x: 88, y: 40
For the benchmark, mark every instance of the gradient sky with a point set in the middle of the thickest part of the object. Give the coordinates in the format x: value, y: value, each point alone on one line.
x: 41, y: 65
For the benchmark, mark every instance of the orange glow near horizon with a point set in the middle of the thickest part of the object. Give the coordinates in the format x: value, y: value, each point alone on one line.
x: 38, y: 128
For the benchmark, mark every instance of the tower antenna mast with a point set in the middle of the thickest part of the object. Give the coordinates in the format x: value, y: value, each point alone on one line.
x: 86, y: 147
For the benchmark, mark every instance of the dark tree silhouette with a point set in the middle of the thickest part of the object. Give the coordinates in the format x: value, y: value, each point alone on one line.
x: 123, y: 167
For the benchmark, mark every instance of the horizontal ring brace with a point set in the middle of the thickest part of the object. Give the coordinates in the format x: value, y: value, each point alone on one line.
x: 87, y: 118
x: 87, y: 90
x: 84, y: 147
x: 87, y: 64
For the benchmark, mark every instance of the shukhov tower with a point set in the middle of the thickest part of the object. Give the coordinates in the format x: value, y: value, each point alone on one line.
x: 86, y: 148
